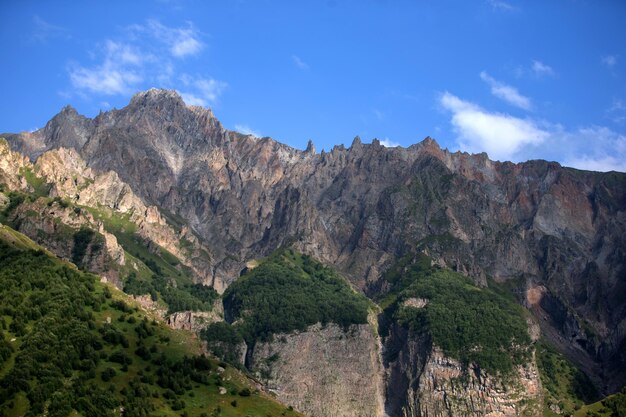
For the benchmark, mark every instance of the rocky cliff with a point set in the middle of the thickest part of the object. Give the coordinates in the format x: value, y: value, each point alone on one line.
x: 65, y: 184
x: 324, y: 371
x: 436, y: 385
x: 533, y: 225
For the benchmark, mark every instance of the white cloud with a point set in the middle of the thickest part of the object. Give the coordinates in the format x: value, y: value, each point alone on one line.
x: 500, y: 135
x: 124, y: 53
x: 117, y: 74
x: 205, y: 90
x: 299, y: 62
x: 192, y: 100
x: 186, y: 45
x: 596, y: 148
x: 44, y: 31
x: 617, y: 111
x: 105, y: 79
x: 609, y: 61
x: 604, y: 164
x: 506, y: 92
x: 180, y: 41
x: 379, y: 115
x: 501, y: 5
x: 210, y: 88
x: 150, y: 55
x: 505, y: 137
x: 388, y: 143
x: 246, y: 130
x: 540, y: 69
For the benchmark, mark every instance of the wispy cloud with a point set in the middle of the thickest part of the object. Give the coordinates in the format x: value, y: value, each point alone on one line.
x: 192, y: 99
x: 609, y: 61
x: 246, y: 130
x: 617, y: 111
x: 44, y: 31
x: 598, y: 149
x: 505, y: 137
x: 151, y: 54
x: 506, y: 92
x: 203, y: 91
x: 478, y: 130
x: 180, y: 41
x: 299, y: 63
x: 388, y: 143
x: 116, y: 74
x: 501, y: 5
x: 540, y: 69
x: 536, y: 69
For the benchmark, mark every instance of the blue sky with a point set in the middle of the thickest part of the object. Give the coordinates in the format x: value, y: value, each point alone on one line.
x: 518, y: 80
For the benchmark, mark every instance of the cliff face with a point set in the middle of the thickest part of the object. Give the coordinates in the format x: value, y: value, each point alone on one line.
x: 60, y: 178
x: 324, y: 371
x: 359, y: 209
x: 439, y: 386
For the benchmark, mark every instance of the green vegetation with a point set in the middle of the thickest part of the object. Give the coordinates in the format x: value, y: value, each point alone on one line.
x: 289, y: 291
x: 188, y: 297
x: 68, y: 346
x: 612, y: 406
x: 157, y: 272
x: 39, y: 185
x: 565, y: 386
x: 82, y: 238
x: 472, y: 324
x: 223, y: 341
x: 15, y: 199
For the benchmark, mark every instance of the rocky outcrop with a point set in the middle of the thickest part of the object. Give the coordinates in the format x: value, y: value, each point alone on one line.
x: 324, y: 371
x: 55, y: 226
x: 72, y: 179
x: 435, y: 385
x: 361, y: 208
x: 69, y: 178
x: 196, y: 320
x: 12, y: 165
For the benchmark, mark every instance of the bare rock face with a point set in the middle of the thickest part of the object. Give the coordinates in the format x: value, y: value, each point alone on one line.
x: 435, y: 385
x: 324, y: 371
x: 361, y: 208
x: 196, y: 320
x: 72, y: 179
x: 445, y: 389
x: 11, y: 165
x: 55, y: 227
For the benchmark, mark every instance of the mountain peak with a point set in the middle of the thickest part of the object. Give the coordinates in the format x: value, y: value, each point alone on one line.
x: 69, y: 110
x: 156, y: 96
x: 430, y: 143
x: 310, y: 147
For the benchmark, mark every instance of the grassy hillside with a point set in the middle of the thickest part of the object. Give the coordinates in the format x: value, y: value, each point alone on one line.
x: 71, y: 346
x: 158, y: 272
x: 289, y: 291
x: 612, y: 406
x: 567, y: 389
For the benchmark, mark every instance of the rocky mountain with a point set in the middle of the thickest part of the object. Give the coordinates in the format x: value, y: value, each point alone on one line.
x: 552, y: 237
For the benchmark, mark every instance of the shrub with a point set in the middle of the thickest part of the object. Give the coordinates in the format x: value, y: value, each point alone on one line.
x: 288, y: 292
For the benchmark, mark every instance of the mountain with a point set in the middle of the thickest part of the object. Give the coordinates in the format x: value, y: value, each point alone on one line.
x: 548, y: 237
x: 68, y: 342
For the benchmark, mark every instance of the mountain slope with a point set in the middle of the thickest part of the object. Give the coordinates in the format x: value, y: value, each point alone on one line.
x: 553, y: 238
x: 560, y: 231
x: 71, y: 345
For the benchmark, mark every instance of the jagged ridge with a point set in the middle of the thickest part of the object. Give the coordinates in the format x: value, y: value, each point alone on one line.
x: 554, y: 234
